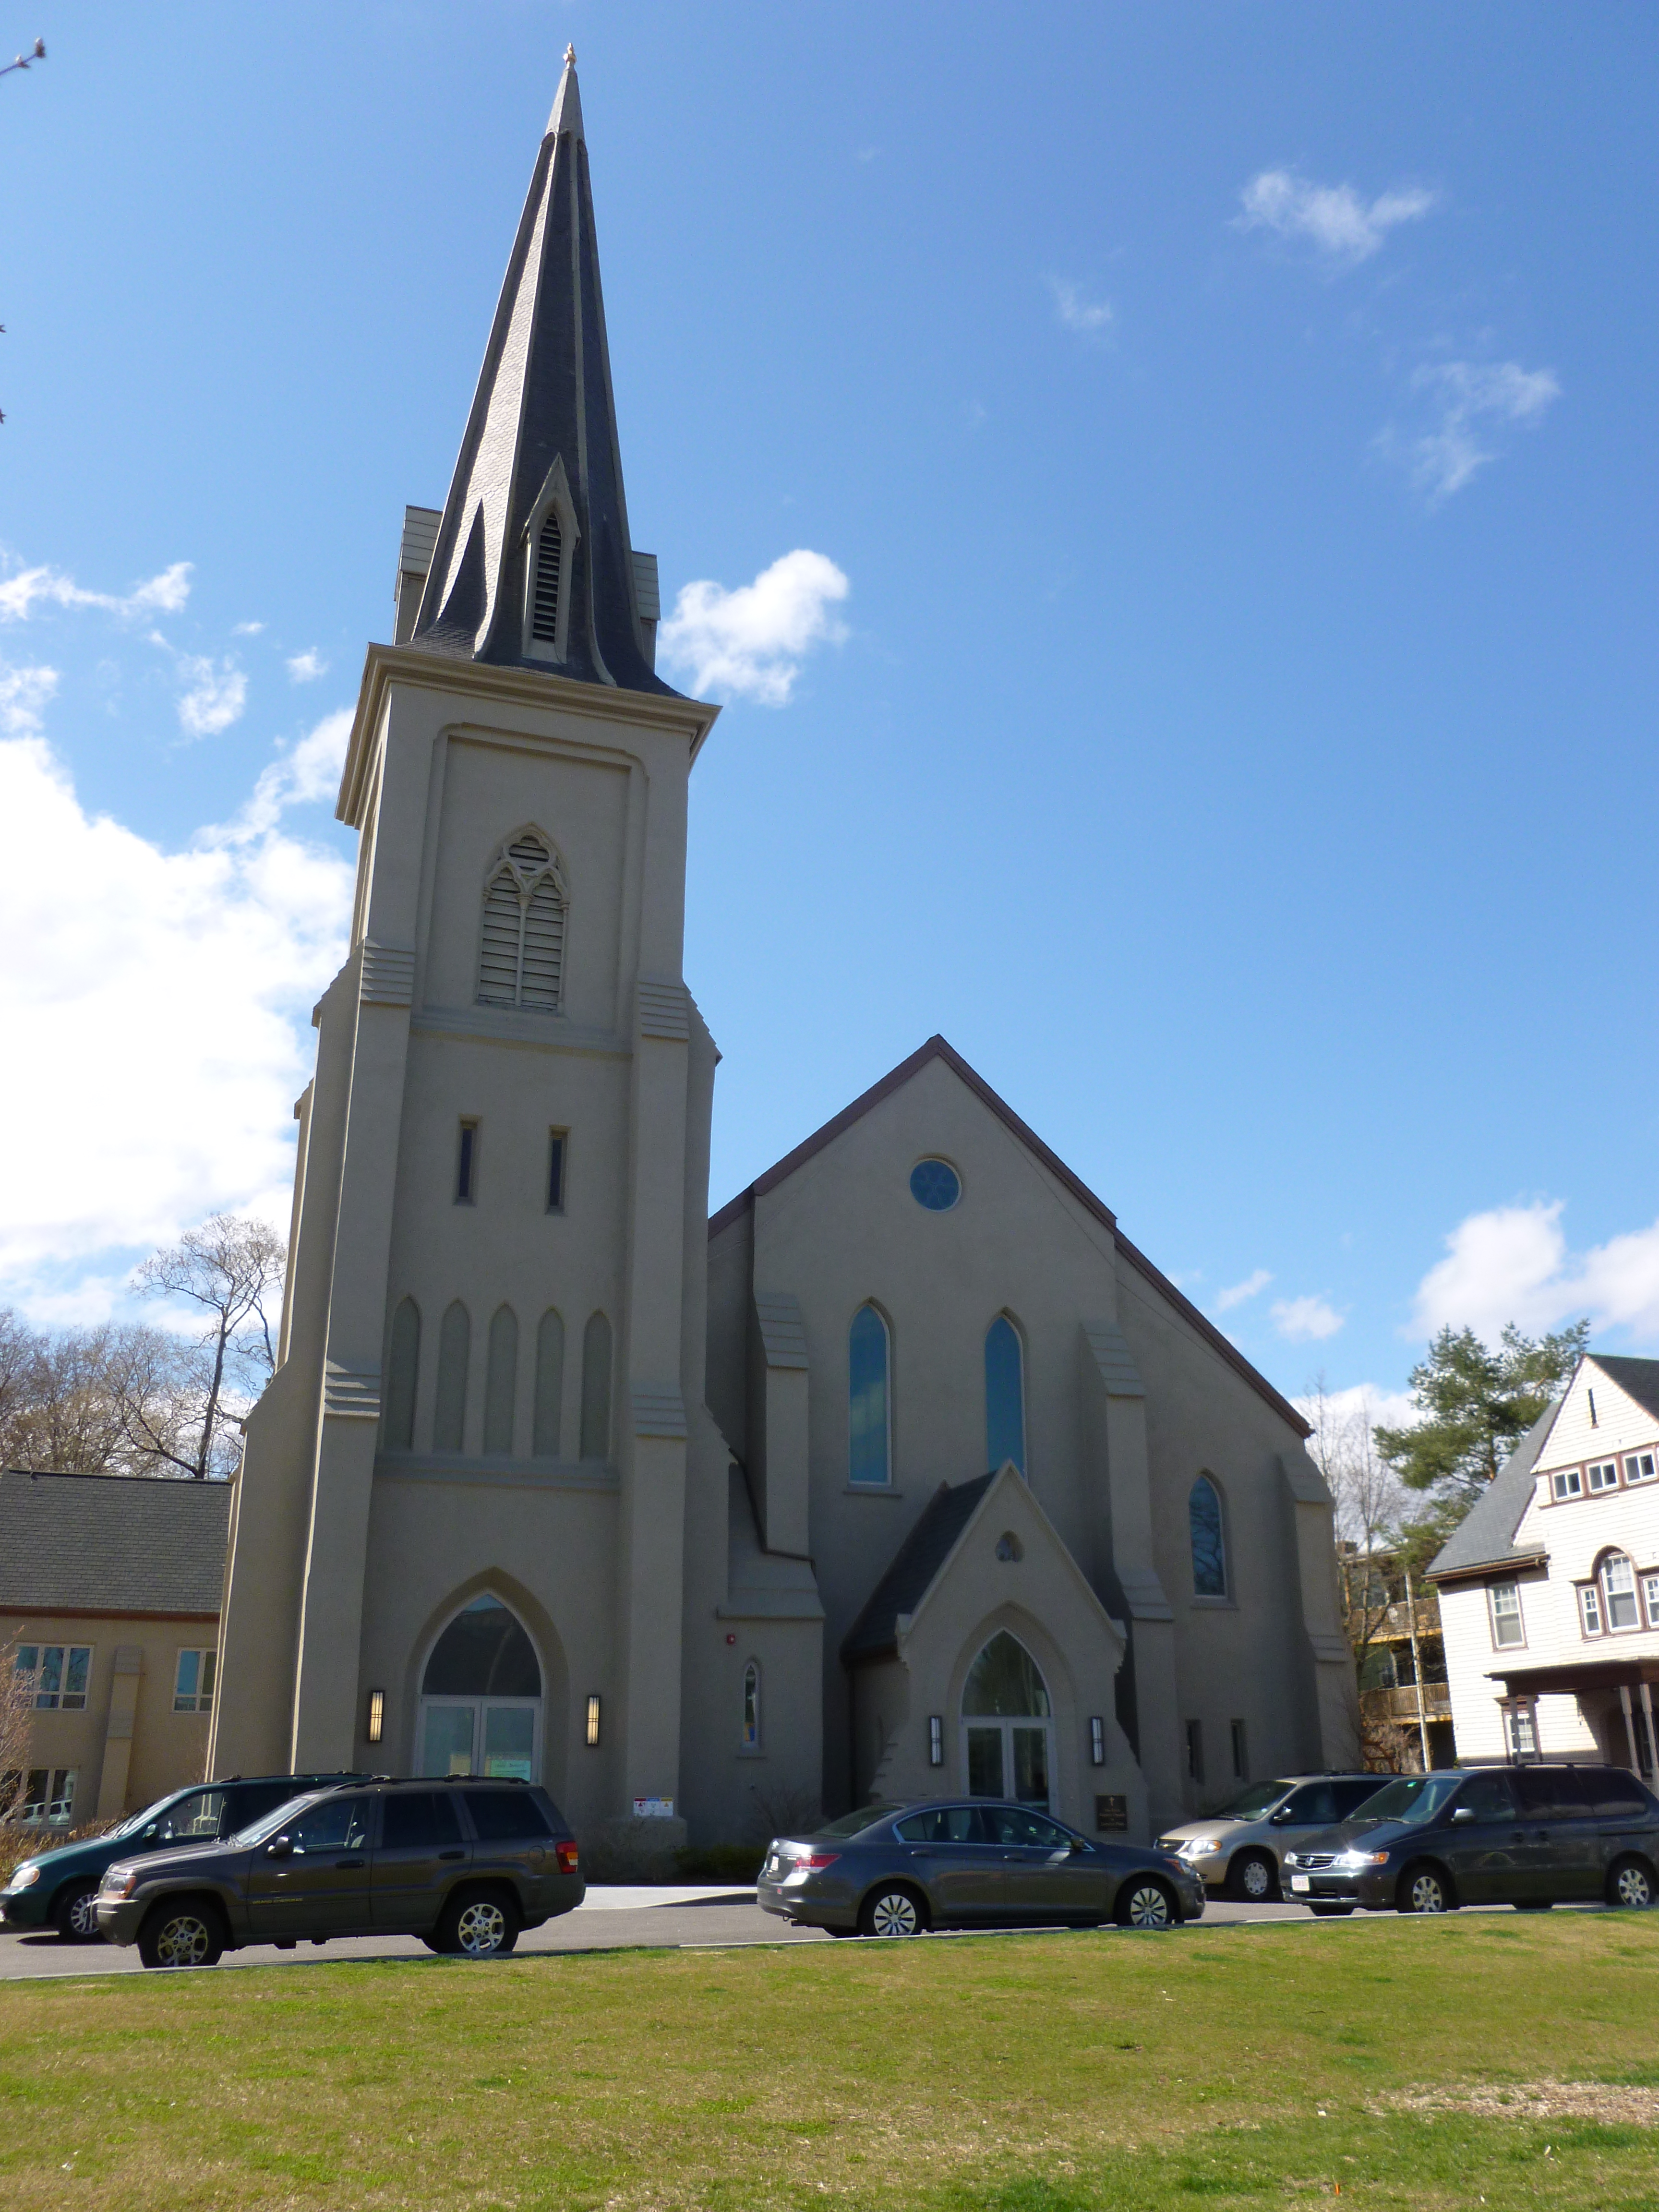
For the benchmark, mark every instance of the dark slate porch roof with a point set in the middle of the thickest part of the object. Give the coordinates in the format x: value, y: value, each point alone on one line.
x: 874, y: 1634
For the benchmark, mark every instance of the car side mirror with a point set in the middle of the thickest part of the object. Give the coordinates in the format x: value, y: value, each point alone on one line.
x: 280, y: 1847
x: 153, y: 1826
x: 1078, y: 1845
x: 1279, y: 1819
x: 1462, y: 1811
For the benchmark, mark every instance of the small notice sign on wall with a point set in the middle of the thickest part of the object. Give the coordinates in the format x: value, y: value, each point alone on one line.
x: 654, y: 1808
x: 1112, y: 1815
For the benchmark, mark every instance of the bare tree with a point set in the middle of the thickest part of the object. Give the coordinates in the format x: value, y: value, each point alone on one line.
x: 231, y: 1270
x: 1369, y: 1500
x: 16, y: 1727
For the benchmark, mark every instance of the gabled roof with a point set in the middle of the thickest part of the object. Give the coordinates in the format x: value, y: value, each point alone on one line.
x: 1485, y: 1536
x: 111, y: 1544
x: 918, y: 1559
x: 937, y: 1048
x: 1637, y: 1378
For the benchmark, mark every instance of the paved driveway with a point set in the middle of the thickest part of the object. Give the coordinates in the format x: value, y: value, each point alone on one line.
x: 611, y: 1920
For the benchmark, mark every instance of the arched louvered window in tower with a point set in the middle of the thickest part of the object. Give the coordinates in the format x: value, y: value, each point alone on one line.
x: 544, y: 598
x: 521, y: 951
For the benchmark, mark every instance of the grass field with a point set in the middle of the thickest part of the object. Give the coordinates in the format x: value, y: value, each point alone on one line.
x: 1497, y: 2060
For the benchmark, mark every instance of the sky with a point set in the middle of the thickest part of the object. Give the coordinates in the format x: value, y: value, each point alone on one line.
x: 1166, y: 496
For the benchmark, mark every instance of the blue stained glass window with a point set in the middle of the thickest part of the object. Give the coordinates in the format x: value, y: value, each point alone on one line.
x: 936, y: 1185
x: 867, y: 1398
x: 1005, y: 1396
x: 1209, y: 1552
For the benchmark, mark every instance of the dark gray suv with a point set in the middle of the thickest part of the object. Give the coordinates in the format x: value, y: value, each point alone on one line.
x: 464, y: 1864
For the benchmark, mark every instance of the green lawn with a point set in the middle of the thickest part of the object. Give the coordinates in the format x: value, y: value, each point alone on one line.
x: 1491, y: 2060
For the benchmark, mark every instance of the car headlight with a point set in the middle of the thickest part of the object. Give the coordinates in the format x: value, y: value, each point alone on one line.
x: 25, y: 1873
x: 1200, y: 1847
x: 120, y: 1880
x: 1361, y: 1858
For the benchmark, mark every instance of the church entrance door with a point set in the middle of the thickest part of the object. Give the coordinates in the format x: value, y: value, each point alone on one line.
x: 1007, y: 1728
x: 481, y: 1702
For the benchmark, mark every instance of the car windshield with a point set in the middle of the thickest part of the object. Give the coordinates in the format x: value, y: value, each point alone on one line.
x: 1413, y: 1798
x: 853, y: 1824
x: 1255, y: 1802
x: 150, y: 1813
x: 268, y: 1823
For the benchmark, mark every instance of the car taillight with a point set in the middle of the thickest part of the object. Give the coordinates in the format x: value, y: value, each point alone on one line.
x: 816, y: 1859
x: 567, y: 1855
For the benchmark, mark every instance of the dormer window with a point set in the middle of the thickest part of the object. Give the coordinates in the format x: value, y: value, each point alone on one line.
x: 549, y: 547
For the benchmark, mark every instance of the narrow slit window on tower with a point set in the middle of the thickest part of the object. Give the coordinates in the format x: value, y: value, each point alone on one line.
x: 466, y: 1164
x: 556, y: 1143
x: 545, y: 602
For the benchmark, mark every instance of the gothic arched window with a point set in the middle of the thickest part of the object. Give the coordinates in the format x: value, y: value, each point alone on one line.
x: 868, y: 1415
x: 454, y: 1351
x: 521, y: 950
x: 1209, y: 1545
x: 1005, y: 1396
x: 500, y: 1381
x: 403, y: 1371
x: 550, y: 1384
x: 596, y: 1388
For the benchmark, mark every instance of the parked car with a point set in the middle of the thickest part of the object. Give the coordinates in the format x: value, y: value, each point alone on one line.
x: 465, y: 1864
x: 1529, y: 1835
x: 1239, y: 1849
x: 899, y: 1870
x: 59, y: 1888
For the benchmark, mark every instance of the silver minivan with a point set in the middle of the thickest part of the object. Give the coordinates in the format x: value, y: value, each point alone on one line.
x: 1239, y: 1849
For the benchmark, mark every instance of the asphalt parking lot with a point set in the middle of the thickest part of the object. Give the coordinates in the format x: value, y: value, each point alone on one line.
x: 611, y: 1920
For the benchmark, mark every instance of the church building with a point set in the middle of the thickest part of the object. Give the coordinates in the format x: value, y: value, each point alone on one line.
x: 904, y: 1475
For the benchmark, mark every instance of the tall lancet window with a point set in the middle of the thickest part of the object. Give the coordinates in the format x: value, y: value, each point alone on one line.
x: 521, y: 952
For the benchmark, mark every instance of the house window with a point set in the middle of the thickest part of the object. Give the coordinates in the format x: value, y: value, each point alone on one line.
x: 1640, y: 1466
x: 596, y: 1388
x: 521, y: 951
x: 1521, y: 1724
x: 193, y: 1682
x: 1568, y: 1484
x: 752, y: 1706
x: 1507, y: 1631
x: 1589, y: 1606
x: 1209, y: 1548
x: 556, y: 1144
x: 1195, y: 1751
x: 869, y: 1419
x: 61, y: 1673
x: 1618, y: 1589
x: 48, y: 1798
x: 1602, y: 1475
x: 1241, y: 1750
x: 466, y: 1164
x: 1651, y: 1594
x: 1005, y: 1396
x: 544, y: 597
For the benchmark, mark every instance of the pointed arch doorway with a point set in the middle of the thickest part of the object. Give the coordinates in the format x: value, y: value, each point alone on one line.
x: 481, y: 1697
x: 1007, y: 1725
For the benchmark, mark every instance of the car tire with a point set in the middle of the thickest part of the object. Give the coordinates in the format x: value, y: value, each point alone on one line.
x: 894, y: 1909
x: 1534, y: 1904
x: 75, y: 1916
x: 182, y: 1932
x: 1148, y: 1904
x: 842, y: 1931
x: 1631, y: 1883
x: 1424, y: 1888
x: 476, y: 1923
x: 1253, y: 1878
x: 1330, y: 1911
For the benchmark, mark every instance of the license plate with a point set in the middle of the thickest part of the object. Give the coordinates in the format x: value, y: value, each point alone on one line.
x: 1299, y: 1883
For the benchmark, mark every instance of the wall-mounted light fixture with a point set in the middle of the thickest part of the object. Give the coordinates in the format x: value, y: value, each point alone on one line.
x: 376, y: 1715
x: 1096, y: 1740
x: 936, y: 1738
x: 593, y: 1720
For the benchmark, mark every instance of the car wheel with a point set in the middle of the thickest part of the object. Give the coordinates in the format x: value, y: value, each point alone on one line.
x: 187, y: 1934
x: 1254, y: 1878
x: 477, y: 1924
x: 1144, y: 1902
x: 892, y: 1912
x: 1330, y: 1911
x: 1631, y: 1883
x: 75, y: 1916
x: 1423, y: 1889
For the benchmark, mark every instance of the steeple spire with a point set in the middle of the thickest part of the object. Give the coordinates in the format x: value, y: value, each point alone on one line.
x: 533, y: 563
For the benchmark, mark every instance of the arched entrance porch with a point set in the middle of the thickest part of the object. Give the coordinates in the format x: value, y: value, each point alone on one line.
x: 1007, y: 1725
x: 481, y: 1709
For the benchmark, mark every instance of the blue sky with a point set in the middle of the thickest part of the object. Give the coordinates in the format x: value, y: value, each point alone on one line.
x: 1234, y: 427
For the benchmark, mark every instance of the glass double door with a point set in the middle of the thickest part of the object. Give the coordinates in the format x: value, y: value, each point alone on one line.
x: 1009, y: 1758
x: 498, y: 1736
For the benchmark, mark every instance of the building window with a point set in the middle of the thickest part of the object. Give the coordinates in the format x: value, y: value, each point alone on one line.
x: 193, y: 1682
x: 1209, y: 1548
x: 869, y: 1413
x: 1640, y: 1466
x: 1009, y: 1548
x: 1602, y: 1475
x: 549, y: 1385
x: 752, y: 1706
x: 61, y: 1673
x: 556, y: 1144
x: 1568, y: 1484
x: 1619, y: 1590
x: 454, y: 1351
x: 521, y: 952
x: 1520, y: 1724
x: 403, y: 1369
x: 936, y: 1185
x: 1650, y: 1597
x: 1589, y: 1606
x: 1096, y: 1739
x: 500, y: 1381
x: 466, y: 1164
x: 1241, y: 1758
x: 596, y: 1388
x: 1505, y: 1599
x: 48, y: 1798
x: 1005, y: 1395
x: 1195, y: 1751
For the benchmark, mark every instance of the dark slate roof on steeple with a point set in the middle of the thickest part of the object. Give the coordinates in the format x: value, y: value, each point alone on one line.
x: 544, y: 399
x: 918, y: 1559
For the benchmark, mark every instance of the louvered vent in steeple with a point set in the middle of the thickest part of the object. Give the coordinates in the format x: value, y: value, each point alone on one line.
x: 521, y: 949
x: 544, y: 608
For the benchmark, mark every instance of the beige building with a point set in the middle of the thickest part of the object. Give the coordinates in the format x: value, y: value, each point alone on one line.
x: 692, y: 1520
x: 112, y: 1586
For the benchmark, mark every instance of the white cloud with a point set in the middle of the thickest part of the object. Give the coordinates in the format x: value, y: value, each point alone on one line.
x: 1469, y: 399
x: 1333, y: 218
x: 158, y: 1001
x: 1088, y: 318
x: 247, y: 629
x: 1305, y: 1320
x: 305, y: 667
x: 214, y: 695
x: 24, y: 691
x: 1226, y: 1300
x: 750, y: 642
x: 1511, y: 1263
x: 309, y: 774
x: 1377, y: 1409
x: 44, y: 586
